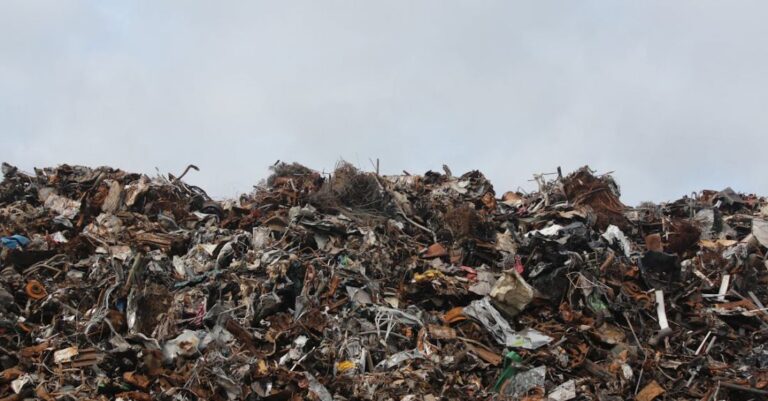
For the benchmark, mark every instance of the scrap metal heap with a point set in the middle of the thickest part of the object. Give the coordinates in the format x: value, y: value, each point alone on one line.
x: 356, y: 286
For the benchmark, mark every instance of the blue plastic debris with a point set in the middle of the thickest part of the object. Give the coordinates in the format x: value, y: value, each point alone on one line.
x: 14, y: 241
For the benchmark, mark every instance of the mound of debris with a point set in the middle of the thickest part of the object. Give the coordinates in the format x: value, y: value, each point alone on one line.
x: 356, y: 286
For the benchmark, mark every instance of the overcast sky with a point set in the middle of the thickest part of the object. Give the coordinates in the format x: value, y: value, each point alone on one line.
x: 671, y: 95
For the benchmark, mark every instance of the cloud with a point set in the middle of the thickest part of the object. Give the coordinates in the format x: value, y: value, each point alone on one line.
x: 670, y: 96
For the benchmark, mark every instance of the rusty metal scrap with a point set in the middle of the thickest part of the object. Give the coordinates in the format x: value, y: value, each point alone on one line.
x: 354, y: 285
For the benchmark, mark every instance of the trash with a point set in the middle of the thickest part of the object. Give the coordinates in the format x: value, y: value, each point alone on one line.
x: 661, y: 315
x: 725, y: 280
x: 522, y: 383
x: 661, y: 310
x: 355, y: 285
x: 563, y: 392
x: 760, y: 231
x: 14, y: 241
x: 609, y: 334
x: 400, y: 357
x: 434, y: 251
x: 35, y: 290
x: 511, y: 294
x: 614, y: 235
x: 296, y: 351
x: 650, y: 392
x: 316, y: 388
x: 64, y: 207
x: 511, y: 366
x: 18, y: 384
x: 65, y: 355
x: 482, y: 311
x: 345, y: 366
x: 186, y: 344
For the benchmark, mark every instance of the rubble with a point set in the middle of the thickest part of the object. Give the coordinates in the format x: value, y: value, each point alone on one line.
x: 358, y: 286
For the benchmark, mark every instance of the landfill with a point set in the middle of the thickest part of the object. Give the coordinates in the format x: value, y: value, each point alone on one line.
x: 353, y: 285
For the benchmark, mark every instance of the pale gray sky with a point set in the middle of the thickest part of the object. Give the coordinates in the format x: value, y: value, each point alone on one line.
x: 669, y: 94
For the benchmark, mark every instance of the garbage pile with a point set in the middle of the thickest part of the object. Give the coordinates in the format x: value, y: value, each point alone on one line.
x: 357, y: 286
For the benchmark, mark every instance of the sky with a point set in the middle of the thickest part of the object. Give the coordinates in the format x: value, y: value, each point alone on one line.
x: 669, y: 95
